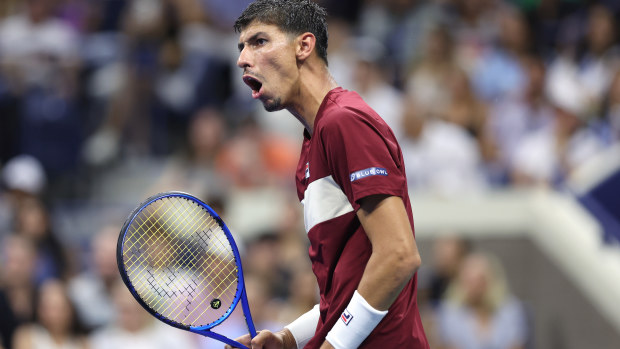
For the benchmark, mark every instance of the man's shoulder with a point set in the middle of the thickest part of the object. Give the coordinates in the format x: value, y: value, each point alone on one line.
x: 345, y: 109
x: 344, y: 100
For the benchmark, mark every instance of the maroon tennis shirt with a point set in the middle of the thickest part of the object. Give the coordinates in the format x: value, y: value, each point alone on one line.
x: 352, y: 154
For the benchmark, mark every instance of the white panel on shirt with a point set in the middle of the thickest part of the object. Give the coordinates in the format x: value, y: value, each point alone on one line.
x: 324, y: 200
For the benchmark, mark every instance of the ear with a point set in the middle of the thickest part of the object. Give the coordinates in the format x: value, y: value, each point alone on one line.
x: 305, y: 46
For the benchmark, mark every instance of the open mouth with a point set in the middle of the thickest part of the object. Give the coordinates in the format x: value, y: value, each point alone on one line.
x: 254, y: 84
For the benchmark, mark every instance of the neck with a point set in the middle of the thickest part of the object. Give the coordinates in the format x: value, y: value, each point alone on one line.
x: 315, y: 82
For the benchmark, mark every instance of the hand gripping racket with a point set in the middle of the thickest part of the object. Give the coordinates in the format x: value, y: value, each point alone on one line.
x: 180, y: 262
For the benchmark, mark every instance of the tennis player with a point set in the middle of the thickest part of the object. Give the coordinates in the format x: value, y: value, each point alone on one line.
x: 351, y: 182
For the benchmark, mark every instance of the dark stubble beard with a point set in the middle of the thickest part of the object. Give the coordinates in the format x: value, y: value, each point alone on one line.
x: 273, y: 105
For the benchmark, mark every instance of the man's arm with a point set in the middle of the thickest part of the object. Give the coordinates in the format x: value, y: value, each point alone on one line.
x: 395, y: 257
x: 394, y: 260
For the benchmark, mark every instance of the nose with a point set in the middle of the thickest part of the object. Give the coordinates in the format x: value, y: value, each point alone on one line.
x: 243, y: 60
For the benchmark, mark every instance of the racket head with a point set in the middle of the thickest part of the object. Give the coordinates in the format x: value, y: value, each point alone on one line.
x: 180, y: 262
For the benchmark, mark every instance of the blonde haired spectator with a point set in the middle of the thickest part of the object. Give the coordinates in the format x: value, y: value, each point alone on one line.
x: 479, y: 310
x: 429, y: 77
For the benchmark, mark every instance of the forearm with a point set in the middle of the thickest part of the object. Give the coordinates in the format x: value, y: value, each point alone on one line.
x: 385, y: 276
x: 382, y: 281
x: 395, y: 257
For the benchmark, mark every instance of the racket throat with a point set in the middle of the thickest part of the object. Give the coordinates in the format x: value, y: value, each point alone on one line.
x: 220, y: 338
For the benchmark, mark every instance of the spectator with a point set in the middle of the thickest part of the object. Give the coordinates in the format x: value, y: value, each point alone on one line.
x: 256, y: 158
x: 449, y: 252
x: 39, y: 61
x: 596, y: 65
x: 134, y: 328
x: 38, y: 50
x: 592, y: 61
x: 17, y: 286
x: 32, y: 221
x: 515, y: 117
x: 23, y: 177
x: 554, y: 23
x: 8, y: 323
x: 194, y: 168
x: 303, y: 294
x: 499, y: 72
x: 262, y: 305
x: 263, y: 260
x: 427, y: 83
x: 476, y: 27
x: 371, y: 81
x: 440, y: 156
x: 91, y: 290
x: 546, y: 157
x: 56, y: 324
x: 173, y: 65
x: 613, y: 108
x: 479, y: 311
x: 466, y: 110
x: 400, y: 26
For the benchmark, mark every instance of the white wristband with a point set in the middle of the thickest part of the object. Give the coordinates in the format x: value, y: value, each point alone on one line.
x: 355, y: 324
x: 304, y: 327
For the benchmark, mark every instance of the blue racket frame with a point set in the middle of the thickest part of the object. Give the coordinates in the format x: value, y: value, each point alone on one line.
x: 241, y: 294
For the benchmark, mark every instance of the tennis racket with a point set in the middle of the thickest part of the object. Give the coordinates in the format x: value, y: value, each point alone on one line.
x: 180, y: 262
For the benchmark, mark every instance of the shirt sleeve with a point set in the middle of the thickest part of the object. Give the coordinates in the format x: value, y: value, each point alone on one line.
x: 363, y: 156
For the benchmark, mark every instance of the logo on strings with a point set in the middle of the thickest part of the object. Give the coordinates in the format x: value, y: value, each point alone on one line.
x: 216, y: 303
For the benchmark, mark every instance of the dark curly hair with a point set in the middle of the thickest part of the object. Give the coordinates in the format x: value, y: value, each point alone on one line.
x: 291, y: 16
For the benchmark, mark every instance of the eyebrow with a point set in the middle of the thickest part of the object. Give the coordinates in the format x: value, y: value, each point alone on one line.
x: 240, y: 45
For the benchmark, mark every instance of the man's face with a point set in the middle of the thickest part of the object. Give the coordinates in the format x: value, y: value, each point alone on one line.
x: 267, y: 57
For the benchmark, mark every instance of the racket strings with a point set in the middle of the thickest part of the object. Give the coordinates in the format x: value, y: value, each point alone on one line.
x: 149, y: 233
x: 162, y: 262
x: 179, y: 260
x: 178, y: 306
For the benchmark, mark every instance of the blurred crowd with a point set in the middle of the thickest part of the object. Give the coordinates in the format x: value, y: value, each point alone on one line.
x: 105, y: 102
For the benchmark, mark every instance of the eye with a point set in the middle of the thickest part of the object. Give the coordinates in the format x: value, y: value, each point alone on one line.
x: 261, y: 42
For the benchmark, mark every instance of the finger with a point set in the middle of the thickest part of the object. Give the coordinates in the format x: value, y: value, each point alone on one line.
x: 261, y: 339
